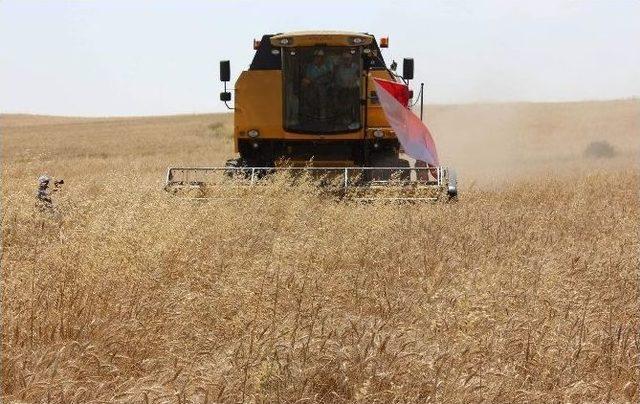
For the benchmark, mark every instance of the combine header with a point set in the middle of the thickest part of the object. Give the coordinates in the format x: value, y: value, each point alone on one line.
x: 311, y: 104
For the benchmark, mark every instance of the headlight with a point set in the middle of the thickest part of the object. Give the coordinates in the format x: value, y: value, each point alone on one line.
x: 253, y: 133
x: 284, y: 41
x: 378, y: 133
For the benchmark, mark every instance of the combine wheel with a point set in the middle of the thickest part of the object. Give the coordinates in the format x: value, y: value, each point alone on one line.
x: 449, y: 191
x: 452, y: 185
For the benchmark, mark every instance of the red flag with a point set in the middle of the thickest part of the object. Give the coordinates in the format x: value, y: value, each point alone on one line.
x: 413, y: 134
x: 399, y: 91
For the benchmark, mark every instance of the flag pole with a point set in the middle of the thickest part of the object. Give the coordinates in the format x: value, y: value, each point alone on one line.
x: 421, y: 99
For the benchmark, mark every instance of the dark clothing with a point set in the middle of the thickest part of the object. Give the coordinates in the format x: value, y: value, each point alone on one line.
x: 349, y: 104
x: 44, y: 196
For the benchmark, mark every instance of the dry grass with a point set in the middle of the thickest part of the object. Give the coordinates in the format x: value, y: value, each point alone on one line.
x: 130, y: 295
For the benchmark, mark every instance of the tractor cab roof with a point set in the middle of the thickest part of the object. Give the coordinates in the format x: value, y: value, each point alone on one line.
x: 268, y: 57
x: 326, y: 38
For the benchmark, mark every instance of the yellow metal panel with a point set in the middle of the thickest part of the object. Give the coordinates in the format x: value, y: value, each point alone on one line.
x: 258, y: 103
x: 329, y: 38
x: 376, y: 116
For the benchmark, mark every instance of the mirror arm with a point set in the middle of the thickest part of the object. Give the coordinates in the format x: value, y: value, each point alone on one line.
x: 225, y: 102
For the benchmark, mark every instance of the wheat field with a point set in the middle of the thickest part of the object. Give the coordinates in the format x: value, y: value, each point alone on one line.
x: 525, y: 290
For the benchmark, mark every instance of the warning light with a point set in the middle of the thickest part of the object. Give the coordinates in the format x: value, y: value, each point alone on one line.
x: 256, y: 44
x: 384, y: 42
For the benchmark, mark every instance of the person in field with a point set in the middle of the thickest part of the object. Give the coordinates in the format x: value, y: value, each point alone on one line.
x: 46, y: 187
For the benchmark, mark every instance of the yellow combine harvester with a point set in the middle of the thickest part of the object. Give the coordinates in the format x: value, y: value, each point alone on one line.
x: 308, y: 103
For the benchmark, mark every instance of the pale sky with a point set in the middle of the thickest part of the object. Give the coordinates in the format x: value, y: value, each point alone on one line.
x: 99, y: 58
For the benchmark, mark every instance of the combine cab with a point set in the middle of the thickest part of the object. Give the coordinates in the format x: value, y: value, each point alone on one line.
x: 308, y: 105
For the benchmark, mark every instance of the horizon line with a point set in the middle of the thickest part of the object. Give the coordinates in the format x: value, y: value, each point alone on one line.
x: 435, y: 104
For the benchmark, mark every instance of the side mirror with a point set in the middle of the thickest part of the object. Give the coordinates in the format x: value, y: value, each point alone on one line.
x: 225, y: 96
x: 407, y: 68
x: 225, y: 70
